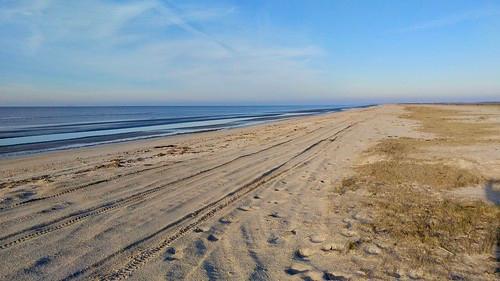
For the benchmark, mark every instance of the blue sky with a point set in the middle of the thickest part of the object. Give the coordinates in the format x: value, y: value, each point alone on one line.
x: 97, y: 52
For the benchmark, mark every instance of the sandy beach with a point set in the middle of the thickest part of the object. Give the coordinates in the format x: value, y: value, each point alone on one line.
x: 407, y: 192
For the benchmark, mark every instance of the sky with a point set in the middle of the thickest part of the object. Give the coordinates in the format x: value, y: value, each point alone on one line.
x: 158, y: 52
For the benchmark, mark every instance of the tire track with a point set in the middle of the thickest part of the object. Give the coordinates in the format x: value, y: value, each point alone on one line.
x: 197, y: 217
x: 71, y: 219
x: 76, y: 188
x: 71, y: 190
x: 55, y: 174
x: 75, y: 171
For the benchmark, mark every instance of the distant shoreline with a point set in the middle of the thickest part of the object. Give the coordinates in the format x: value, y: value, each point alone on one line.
x: 40, y: 139
x: 452, y: 103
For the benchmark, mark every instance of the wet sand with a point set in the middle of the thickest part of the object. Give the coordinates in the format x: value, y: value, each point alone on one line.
x: 255, y: 203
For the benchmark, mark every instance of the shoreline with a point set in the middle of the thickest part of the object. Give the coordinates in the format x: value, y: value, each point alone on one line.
x: 25, y: 150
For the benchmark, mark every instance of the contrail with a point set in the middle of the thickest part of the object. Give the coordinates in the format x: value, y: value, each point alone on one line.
x: 178, y: 20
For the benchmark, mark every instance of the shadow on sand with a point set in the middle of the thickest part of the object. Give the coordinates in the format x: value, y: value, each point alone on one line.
x: 493, y: 195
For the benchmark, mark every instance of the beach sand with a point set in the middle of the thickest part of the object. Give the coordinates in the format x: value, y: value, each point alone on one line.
x: 387, y: 192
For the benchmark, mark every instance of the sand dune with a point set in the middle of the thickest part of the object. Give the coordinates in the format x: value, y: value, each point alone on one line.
x: 256, y: 203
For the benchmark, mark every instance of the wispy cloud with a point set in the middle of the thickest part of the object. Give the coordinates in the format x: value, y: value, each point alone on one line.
x: 170, y: 51
x: 104, y: 21
x: 451, y: 20
x: 179, y: 18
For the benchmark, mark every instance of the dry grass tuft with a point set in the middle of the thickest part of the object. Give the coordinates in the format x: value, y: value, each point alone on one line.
x: 422, y: 223
x: 346, y: 185
x: 397, y: 148
x: 443, y: 123
x: 393, y: 172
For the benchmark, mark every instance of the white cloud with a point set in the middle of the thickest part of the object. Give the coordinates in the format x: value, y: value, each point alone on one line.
x: 101, y: 22
x: 159, y: 50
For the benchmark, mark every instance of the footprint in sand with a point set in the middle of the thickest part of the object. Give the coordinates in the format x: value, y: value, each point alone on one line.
x: 372, y: 250
x: 213, y: 237
x: 363, y: 218
x: 348, y: 222
x: 333, y: 275
x: 203, y: 228
x: 245, y: 208
x: 415, y: 274
x: 361, y: 274
x: 276, y: 215
x: 382, y: 245
x: 227, y: 220
x: 296, y: 268
x: 317, y: 238
x: 348, y: 233
x: 395, y: 272
x: 339, y: 247
x: 275, y: 240
x: 173, y: 254
x: 305, y: 253
x: 312, y: 276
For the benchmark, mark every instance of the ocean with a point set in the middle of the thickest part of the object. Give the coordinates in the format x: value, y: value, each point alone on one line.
x: 25, y: 130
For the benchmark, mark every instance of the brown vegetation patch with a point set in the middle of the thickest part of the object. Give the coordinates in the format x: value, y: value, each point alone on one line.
x: 439, y: 176
x: 419, y: 221
x: 346, y: 185
x: 405, y: 192
x: 399, y: 148
x: 423, y: 224
x: 443, y: 123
